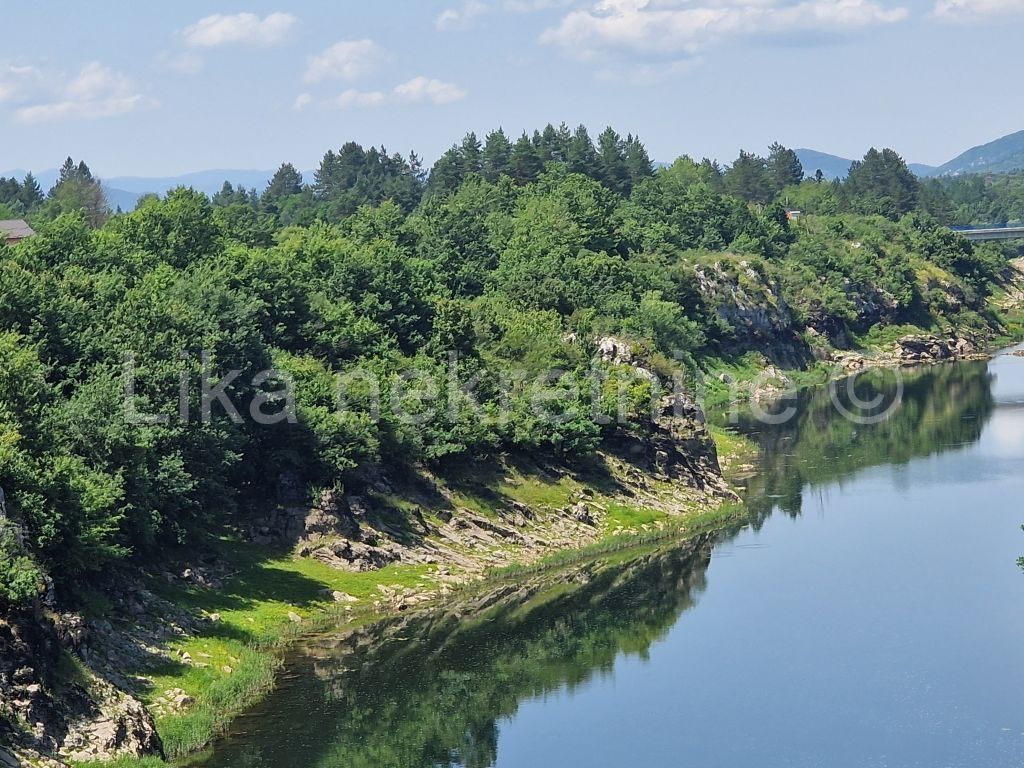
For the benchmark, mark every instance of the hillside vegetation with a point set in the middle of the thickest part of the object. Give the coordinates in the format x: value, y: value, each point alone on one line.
x: 510, y: 255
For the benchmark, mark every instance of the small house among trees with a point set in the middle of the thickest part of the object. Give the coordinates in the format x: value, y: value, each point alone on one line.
x: 14, y: 230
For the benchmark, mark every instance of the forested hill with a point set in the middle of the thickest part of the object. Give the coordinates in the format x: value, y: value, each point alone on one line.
x: 509, y: 255
x: 1000, y: 156
x: 1003, y: 155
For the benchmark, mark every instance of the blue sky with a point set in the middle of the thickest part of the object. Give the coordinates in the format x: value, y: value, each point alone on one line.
x: 144, y: 88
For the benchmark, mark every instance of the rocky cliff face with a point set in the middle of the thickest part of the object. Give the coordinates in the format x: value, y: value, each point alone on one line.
x: 751, y: 307
x: 53, y: 707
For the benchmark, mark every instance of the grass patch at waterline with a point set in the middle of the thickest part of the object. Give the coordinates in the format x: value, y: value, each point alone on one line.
x: 231, y: 664
x: 622, y: 517
x: 126, y: 762
x: 627, y: 544
x: 735, y: 451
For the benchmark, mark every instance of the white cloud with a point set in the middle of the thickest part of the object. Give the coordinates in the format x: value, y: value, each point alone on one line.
x: 667, y: 28
x: 220, y: 29
x: 462, y: 17
x: 421, y: 89
x: 531, y: 6
x: 345, y: 60
x: 16, y: 81
x: 302, y: 101
x: 184, y: 63
x: 648, y: 73
x: 976, y: 10
x: 95, y: 92
x: 466, y: 15
x: 354, y: 98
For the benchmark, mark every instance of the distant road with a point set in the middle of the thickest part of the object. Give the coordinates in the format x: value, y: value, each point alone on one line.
x: 992, y: 233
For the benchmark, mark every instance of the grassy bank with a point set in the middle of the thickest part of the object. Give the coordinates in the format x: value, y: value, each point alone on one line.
x: 272, y: 599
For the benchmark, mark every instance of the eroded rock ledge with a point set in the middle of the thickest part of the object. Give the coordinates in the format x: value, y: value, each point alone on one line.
x: 51, y: 706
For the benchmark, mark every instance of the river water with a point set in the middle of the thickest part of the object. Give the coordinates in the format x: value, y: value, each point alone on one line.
x: 870, y: 614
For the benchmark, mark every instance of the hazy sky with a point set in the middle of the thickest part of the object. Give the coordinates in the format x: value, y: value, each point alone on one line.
x: 146, y: 88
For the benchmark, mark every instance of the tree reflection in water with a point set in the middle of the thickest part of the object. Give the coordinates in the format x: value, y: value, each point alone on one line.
x: 943, y: 408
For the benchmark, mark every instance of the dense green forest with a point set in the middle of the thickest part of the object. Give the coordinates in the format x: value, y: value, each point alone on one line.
x: 507, y: 255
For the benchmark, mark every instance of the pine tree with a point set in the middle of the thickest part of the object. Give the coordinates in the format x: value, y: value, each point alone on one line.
x: 526, y: 163
x: 554, y: 148
x: 882, y: 184
x: 750, y: 179
x: 31, y: 194
x: 497, y: 155
x: 67, y: 171
x: 448, y: 172
x: 611, y: 161
x: 638, y: 162
x: 541, y: 147
x: 563, y: 136
x: 472, y: 154
x: 83, y: 173
x: 416, y: 169
x: 77, y: 190
x: 581, y: 155
x: 325, y: 177
x: 785, y: 167
x: 286, y: 181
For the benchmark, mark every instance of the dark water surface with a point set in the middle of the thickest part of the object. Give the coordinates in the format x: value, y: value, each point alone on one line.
x: 872, y: 614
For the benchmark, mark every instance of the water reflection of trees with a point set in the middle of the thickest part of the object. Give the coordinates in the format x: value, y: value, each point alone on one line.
x: 429, y: 690
x: 943, y: 408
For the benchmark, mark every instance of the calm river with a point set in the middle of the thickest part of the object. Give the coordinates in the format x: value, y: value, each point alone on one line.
x: 871, y: 614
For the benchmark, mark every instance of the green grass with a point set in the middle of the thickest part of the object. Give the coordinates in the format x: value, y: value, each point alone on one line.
x: 733, y: 448
x: 624, y: 517
x: 539, y: 492
x: 128, y: 762
x: 887, y: 335
x: 489, y: 495
x: 628, y: 545
x: 234, y: 660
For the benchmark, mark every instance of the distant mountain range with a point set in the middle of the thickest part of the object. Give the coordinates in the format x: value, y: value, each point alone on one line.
x: 999, y: 156
x: 836, y: 167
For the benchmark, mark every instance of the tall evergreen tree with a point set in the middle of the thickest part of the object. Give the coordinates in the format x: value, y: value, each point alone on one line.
x: 31, y: 194
x: 526, y: 164
x: 472, y: 154
x: 785, y: 167
x: 324, y: 176
x: 286, y: 181
x: 555, y: 145
x: 448, y: 172
x: 68, y: 171
x: 749, y: 179
x: 497, y: 155
x: 77, y: 190
x: 638, y: 162
x: 581, y: 155
x: 882, y: 184
x: 611, y: 161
